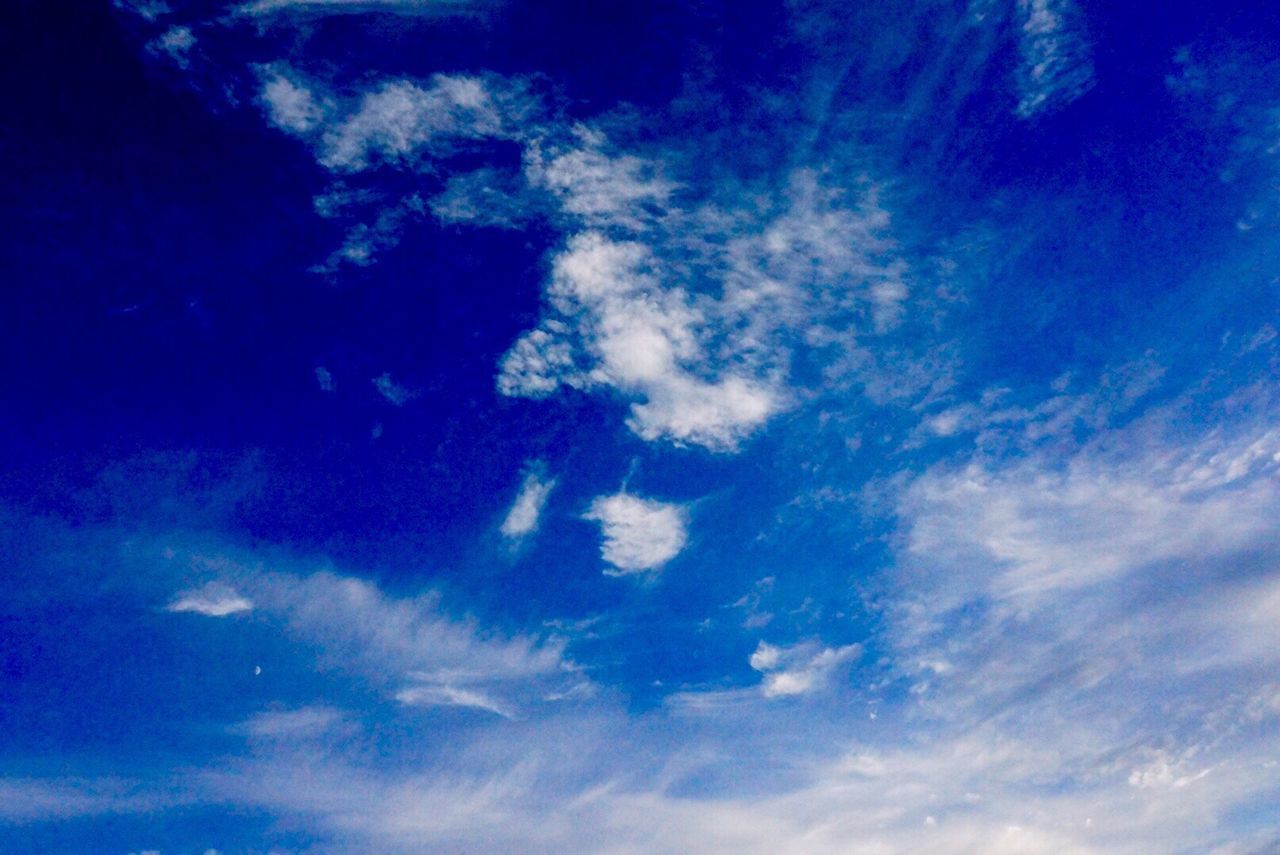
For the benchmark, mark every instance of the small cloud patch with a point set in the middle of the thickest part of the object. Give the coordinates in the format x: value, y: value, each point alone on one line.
x: 212, y: 600
x: 639, y: 534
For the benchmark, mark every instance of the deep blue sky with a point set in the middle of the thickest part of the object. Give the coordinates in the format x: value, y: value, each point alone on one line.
x: 486, y: 426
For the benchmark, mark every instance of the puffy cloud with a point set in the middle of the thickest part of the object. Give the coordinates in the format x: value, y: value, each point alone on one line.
x: 643, y: 338
x: 400, y: 119
x: 175, y: 43
x: 291, y: 106
x: 397, y: 122
x: 597, y: 187
x: 639, y: 534
x: 213, y: 599
x: 695, y: 316
x: 689, y: 310
x: 522, y: 519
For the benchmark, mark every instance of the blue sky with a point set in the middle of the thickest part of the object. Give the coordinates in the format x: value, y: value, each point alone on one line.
x: 481, y: 426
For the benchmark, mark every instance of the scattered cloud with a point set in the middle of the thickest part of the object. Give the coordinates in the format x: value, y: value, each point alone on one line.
x: 484, y: 198
x: 451, y: 696
x: 303, y: 723
x: 1035, y: 526
x: 148, y: 10
x: 1057, y: 63
x: 639, y: 534
x: 213, y: 599
x: 599, y: 188
x: 799, y: 669
x: 523, y: 517
x: 640, y: 337
x: 289, y: 103
x: 358, y: 627
x: 708, y: 363
x: 277, y: 8
x: 175, y: 43
x: 324, y: 379
x: 393, y: 391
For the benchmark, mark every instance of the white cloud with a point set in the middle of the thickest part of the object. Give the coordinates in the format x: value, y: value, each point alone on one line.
x: 599, y: 188
x: 407, y: 648
x: 148, y: 10
x: 291, y: 106
x: 396, y: 123
x: 451, y: 696
x: 1057, y: 66
x: 24, y: 800
x: 303, y: 723
x: 484, y: 197
x: 690, y: 310
x: 364, y: 241
x: 1103, y: 612
x: 639, y: 534
x: 213, y: 600
x: 175, y: 43
x: 522, y: 519
x: 694, y: 318
x: 359, y: 628
x: 1033, y: 527
x: 400, y: 119
x: 392, y: 391
x: 643, y: 338
x: 269, y: 8
x: 801, y: 668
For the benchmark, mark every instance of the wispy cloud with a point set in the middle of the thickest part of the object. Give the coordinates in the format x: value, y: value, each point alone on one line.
x: 176, y: 44
x: 707, y: 371
x: 148, y: 10
x: 324, y: 379
x: 289, y: 103
x: 800, y: 668
x: 525, y: 512
x: 1057, y: 63
x: 28, y: 800
x: 276, y: 8
x: 689, y: 309
x: 391, y: 390
x: 451, y: 696
x: 213, y: 599
x: 302, y: 723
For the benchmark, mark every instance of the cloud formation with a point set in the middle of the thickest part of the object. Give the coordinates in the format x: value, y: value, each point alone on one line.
x: 640, y: 535
x: 522, y: 519
x: 799, y: 669
x: 213, y: 600
x: 1057, y: 62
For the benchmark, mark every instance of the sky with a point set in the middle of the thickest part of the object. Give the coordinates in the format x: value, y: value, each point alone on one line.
x: 793, y: 426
